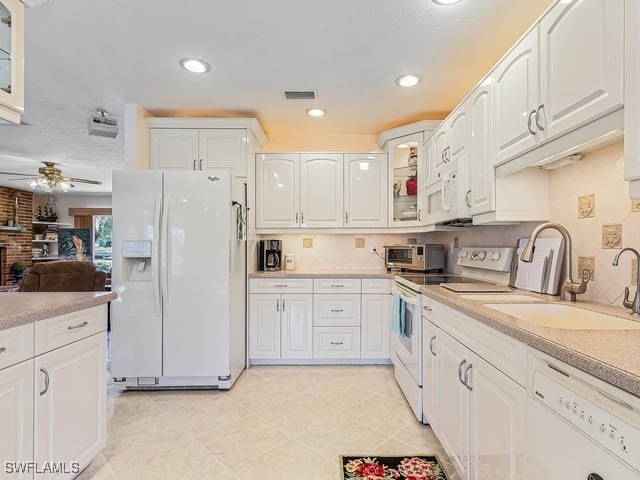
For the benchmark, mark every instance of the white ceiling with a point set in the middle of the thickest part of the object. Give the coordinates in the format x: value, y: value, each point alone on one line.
x: 83, y: 54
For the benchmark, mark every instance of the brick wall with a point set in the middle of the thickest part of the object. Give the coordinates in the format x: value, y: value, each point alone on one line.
x: 17, y: 246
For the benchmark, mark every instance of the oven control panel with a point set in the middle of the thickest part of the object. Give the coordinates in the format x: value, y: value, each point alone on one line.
x: 488, y: 258
x: 616, y: 428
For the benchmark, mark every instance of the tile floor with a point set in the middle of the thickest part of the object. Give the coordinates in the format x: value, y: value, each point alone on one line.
x: 276, y: 423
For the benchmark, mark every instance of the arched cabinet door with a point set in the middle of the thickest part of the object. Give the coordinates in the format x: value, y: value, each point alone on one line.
x: 11, y: 60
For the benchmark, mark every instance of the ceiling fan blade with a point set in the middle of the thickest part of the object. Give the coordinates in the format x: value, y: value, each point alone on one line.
x: 84, y: 180
x: 19, y: 174
x: 21, y: 179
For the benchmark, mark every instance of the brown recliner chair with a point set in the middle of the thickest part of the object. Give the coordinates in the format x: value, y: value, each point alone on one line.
x: 64, y: 276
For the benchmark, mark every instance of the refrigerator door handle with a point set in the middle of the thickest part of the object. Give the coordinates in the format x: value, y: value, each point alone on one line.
x: 155, y: 259
x: 164, y: 254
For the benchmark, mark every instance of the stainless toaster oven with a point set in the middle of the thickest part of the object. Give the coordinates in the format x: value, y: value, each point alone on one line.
x: 421, y: 257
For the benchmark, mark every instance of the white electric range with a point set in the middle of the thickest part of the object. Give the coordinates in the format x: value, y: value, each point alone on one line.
x: 486, y: 269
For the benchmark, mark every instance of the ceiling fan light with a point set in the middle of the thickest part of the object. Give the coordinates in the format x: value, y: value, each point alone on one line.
x: 33, y: 184
x: 65, y: 185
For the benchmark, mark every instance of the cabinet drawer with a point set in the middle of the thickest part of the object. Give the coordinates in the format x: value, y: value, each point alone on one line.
x: 337, y: 285
x: 281, y: 285
x: 376, y: 285
x: 336, y: 342
x: 58, y: 331
x: 336, y: 310
x: 16, y: 345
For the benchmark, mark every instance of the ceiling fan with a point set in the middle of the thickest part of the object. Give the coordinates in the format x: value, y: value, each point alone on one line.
x: 50, y: 177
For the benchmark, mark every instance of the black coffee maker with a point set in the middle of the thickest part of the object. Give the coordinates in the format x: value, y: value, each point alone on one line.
x: 270, y: 255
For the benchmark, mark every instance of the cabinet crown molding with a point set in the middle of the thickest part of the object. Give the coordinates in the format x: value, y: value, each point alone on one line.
x: 409, y: 129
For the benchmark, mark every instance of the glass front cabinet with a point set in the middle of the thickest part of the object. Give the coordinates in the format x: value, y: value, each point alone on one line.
x: 407, y: 175
x: 11, y: 60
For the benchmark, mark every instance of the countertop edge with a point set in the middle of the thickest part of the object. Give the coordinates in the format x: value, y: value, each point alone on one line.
x: 41, y: 313
x: 322, y: 274
x: 606, y: 372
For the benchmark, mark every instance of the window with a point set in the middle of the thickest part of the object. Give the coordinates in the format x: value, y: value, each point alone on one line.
x: 102, y: 232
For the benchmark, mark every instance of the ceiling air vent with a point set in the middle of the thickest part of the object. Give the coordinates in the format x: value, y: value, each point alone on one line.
x: 300, y: 95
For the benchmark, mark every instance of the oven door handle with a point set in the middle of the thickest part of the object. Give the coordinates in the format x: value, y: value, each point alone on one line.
x: 406, y: 295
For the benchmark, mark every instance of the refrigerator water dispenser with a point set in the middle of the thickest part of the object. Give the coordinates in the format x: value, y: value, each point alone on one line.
x: 136, y: 260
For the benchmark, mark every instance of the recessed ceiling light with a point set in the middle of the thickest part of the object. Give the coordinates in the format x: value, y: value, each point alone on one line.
x: 403, y: 145
x: 446, y: 2
x: 195, y: 65
x: 408, y: 80
x: 316, y: 112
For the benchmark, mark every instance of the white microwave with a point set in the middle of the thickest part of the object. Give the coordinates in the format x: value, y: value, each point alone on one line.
x: 421, y: 257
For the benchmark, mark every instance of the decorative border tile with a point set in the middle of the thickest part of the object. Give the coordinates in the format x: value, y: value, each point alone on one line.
x: 587, y: 206
x: 612, y: 235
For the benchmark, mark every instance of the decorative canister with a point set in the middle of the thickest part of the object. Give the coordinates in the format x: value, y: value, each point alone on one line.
x: 289, y: 261
x: 412, y: 185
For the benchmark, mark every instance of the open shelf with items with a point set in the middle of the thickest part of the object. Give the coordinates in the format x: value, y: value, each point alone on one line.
x: 45, y: 248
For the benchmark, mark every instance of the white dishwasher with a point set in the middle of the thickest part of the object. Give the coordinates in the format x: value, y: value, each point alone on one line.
x: 578, y: 427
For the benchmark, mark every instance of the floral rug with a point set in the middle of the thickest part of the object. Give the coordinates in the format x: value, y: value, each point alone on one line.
x: 408, y: 467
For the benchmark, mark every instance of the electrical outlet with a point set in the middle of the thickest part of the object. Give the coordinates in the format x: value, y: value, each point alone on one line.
x: 412, y: 241
x: 456, y: 242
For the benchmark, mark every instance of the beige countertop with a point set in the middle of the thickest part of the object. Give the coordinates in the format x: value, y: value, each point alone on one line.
x: 323, y: 274
x: 19, y: 308
x: 611, y: 355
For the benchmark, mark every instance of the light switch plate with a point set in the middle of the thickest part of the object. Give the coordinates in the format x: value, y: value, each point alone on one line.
x: 359, y: 242
x: 587, y: 206
x: 635, y: 205
x: 612, y: 235
x: 307, y: 243
x: 587, y: 263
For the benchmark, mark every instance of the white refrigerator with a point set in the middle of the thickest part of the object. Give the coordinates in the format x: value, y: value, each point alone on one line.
x: 179, y: 269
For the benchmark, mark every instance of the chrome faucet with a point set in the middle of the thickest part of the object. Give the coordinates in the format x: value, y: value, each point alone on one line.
x: 569, y: 288
x: 635, y: 305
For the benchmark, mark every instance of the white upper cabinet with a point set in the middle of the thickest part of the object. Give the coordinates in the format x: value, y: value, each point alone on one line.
x: 198, y: 149
x: 632, y: 98
x: 321, y: 190
x: 458, y: 135
x: 581, y: 63
x: 407, y: 176
x: 516, y: 99
x: 277, y: 190
x: 365, y: 190
x: 321, y: 201
x: 438, y: 159
x: 566, y: 72
x: 11, y: 60
x: 223, y: 148
x: 173, y: 148
x: 480, y: 159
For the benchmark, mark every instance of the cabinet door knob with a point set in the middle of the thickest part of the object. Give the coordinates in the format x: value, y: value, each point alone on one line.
x: 462, y: 363
x: 3, y: 349
x: 46, y: 381
x: 283, y: 305
x: 194, y: 164
x: 337, y: 343
x: 278, y: 305
x: 346, y: 217
x: 467, y: 371
x: 297, y: 218
x: 427, y: 308
x: 594, y: 476
x: 337, y: 310
x: 531, y: 130
x: 80, y: 325
x: 433, y: 339
x: 467, y: 198
x: 538, y: 111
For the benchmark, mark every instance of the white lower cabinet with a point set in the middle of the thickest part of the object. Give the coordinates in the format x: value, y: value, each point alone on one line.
x: 344, y: 319
x: 477, y: 412
x: 16, y: 419
x: 280, y: 326
x: 375, y: 326
x: 70, y: 411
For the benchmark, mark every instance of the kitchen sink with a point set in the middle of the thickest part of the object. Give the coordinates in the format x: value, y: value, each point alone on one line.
x: 499, y: 297
x: 564, y: 316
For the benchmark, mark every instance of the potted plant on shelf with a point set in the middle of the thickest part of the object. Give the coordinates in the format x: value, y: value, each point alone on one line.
x: 38, y: 231
x: 412, y: 185
x: 17, y: 270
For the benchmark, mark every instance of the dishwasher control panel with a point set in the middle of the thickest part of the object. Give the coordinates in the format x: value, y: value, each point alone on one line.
x: 609, y: 422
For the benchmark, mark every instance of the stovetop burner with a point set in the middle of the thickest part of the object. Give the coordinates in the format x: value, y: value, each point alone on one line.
x: 435, y: 279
